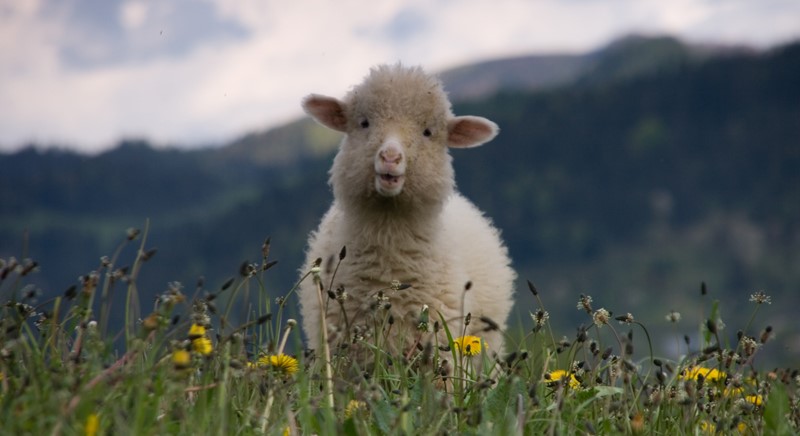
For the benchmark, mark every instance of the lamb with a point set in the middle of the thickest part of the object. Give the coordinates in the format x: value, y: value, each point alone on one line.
x: 401, y: 220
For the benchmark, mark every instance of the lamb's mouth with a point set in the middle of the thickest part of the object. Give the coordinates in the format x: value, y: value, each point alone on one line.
x: 389, y: 184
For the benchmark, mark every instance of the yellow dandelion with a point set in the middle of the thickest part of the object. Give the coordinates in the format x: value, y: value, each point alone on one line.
x: 353, y: 407
x: 755, y: 400
x: 92, y: 424
x: 554, y: 377
x: 287, y: 431
x: 181, y: 359
x: 709, y: 374
x: 707, y: 427
x: 203, y: 346
x: 468, y: 345
x: 196, y: 331
x: 281, y: 362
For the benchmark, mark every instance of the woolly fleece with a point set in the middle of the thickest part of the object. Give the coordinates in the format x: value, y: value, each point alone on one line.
x: 427, y: 235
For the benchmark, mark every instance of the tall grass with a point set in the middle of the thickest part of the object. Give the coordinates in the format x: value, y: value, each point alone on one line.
x: 188, y: 366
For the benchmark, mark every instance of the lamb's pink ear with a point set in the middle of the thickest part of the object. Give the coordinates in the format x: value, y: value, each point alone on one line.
x: 469, y: 131
x: 328, y: 111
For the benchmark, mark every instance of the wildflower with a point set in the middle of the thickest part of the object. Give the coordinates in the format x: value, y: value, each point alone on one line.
x: 585, y: 303
x: 203, y: 346
x: 749, y: 345
x: 707, y: 427
x: 92, y: 424
x: 673, y: 316
x: 709, y: 374
x: 424, y: 319
x: 765, y: 334
x: 132, y: 233
x: 760, y: 298
x: 600, y: 317
x: 554, y: 377
x: 341, y: 294
x: 353, y: 407
x: 625, y: 319
x: 181, y: 359
x: 539, y: 319
x: 468, y: 345
x: 755, y: 400
x: 281, y: 362
x: 197, y: 331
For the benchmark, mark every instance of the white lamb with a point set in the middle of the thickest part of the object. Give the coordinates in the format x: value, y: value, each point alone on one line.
x: 397, y: 212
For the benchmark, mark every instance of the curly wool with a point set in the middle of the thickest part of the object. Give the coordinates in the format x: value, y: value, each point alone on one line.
x: 427, y: 235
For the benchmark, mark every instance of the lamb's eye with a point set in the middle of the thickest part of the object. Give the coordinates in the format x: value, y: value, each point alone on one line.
x: 427, y: 132
x: 365, y: 123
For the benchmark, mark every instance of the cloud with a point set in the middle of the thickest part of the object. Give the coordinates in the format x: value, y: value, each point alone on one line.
x: 204, y: 71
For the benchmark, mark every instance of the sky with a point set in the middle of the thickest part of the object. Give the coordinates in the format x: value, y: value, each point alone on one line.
x: 84, y: 74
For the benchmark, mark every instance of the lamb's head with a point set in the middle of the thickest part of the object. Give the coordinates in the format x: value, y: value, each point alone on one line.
x: 398, y: 126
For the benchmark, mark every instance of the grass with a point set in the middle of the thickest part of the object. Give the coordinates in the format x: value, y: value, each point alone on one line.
x: 189, y: 367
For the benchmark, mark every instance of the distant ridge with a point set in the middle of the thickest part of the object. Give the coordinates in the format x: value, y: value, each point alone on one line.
x: 624, y: 58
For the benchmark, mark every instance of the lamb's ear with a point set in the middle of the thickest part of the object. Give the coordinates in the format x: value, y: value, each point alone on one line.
x: 328, y: 111
x: 469, y: 131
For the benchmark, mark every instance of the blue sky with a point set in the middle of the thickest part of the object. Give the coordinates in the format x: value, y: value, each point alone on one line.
x: 84, y: 73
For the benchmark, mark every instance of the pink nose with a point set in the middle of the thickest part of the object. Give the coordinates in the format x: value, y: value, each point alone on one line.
x: 391, y: 155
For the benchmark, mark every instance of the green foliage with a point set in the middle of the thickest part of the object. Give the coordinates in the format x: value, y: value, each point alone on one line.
x: 187, y: 367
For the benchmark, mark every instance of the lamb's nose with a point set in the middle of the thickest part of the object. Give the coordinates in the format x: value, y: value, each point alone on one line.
x: 391, y: 155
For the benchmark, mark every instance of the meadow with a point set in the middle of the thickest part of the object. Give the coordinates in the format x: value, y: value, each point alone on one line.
x: 189, y: 364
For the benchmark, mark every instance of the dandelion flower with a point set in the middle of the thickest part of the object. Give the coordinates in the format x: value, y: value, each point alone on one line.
x: 710, y: 374
x: 353, y: 407
x: 92, y: 424
x: 281, y: 362
x: 755, y: 400
x: 468, y: 345
x: 202, y: 345
x: 196, y: 331
x: 707, y: 427
x: 554, y: 377
x: 181, y: 359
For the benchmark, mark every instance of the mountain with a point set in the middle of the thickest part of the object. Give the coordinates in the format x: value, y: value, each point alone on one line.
x: 624, y: 58
x: 634, y: 180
